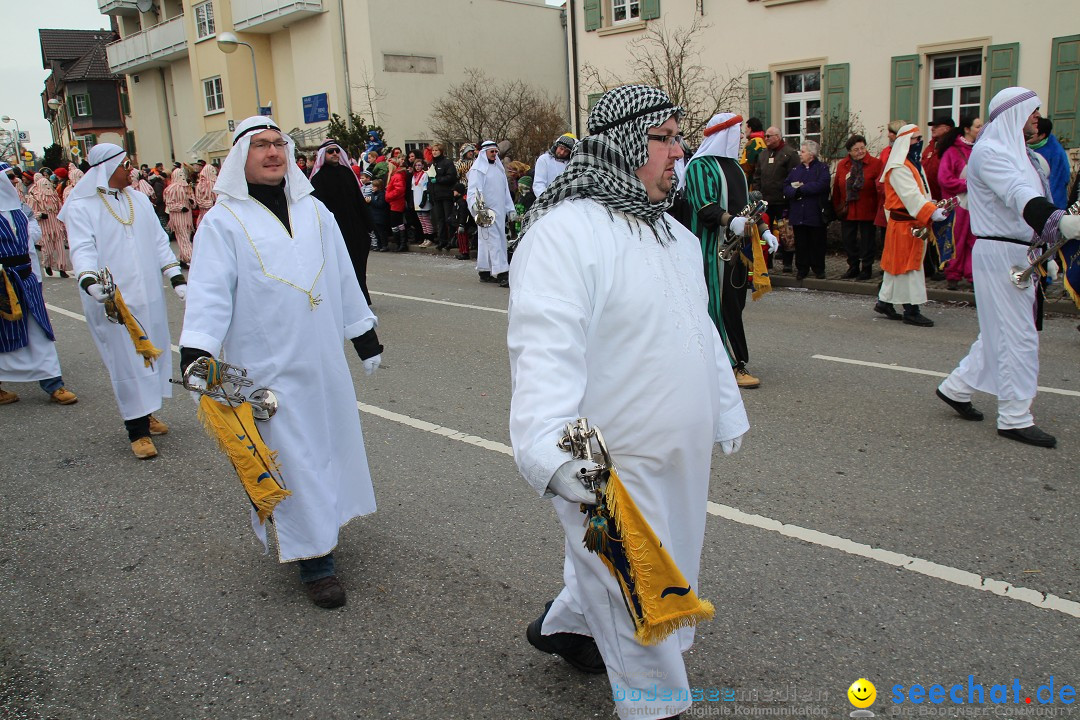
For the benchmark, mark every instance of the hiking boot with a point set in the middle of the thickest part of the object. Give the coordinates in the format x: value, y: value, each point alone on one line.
x: 578, y: 650
x: 326, y: 592
x: 6, y: 398
x: 744, y: 379
x: 157, y: 427
x: 144, y: 448
x: 63, y: 396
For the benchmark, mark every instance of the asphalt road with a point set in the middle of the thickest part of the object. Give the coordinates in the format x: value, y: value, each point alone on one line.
x: 862, y: 531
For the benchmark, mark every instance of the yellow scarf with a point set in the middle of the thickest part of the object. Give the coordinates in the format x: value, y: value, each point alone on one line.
x: 143, y: 346
x: 234, y: 429
x: 14, y: 312
x: 659, y: 598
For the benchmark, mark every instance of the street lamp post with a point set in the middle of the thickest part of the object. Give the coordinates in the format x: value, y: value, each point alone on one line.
x: 227, y: 42
x: 18, y: 152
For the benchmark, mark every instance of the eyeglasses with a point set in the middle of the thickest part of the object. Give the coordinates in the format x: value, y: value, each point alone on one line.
x: 127, y: 164
x: 264, y: 145
x: 332, y: 151
x: 671, y: 140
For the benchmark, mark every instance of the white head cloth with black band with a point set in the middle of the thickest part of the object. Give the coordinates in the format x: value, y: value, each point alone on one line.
x: 232, y: 181
x: 104, y: 158
x: 604, y: 165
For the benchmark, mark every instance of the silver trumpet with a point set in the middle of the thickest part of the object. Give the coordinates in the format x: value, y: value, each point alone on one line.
x: 108, y: 285
x: 947, y: 206
x: 578, y: 441
x: 263, y: 401
x: 485, y: 216
x: 755, y: 208
x: 1020, y: 276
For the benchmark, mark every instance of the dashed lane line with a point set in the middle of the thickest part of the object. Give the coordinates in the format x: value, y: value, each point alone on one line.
x: 1047, y: 601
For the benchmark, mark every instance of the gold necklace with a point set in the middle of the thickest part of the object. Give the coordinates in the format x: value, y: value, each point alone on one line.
x: 131, y: 207
x: 313, y: 300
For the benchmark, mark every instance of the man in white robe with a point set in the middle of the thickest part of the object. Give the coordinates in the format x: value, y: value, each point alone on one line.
x: 273, y: 290
x: 1011, y: 212
x: 27, y: 347
x: 488, y: 176
x: 110, y: 225
x: 609, y: 320
x: 549, y: 165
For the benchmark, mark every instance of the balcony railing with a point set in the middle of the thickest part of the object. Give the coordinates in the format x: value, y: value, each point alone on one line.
x: 267, y: 16
x: 154, y: 47
x: 118, y: 7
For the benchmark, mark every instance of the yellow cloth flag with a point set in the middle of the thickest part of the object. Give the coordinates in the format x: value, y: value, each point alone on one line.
x: 143, y: 346
x: 234, y: 429
x: 14, y: 312
x: 657, y: 595
x: 762, y: 283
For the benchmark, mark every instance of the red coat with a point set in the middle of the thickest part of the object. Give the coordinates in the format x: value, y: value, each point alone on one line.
x: 865, y: 206
x: 930, y: 162
x: 395, y: 191
x: 879, y: 219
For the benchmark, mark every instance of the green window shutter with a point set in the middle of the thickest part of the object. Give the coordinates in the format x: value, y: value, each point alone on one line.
x: 760, y: 105
x: 129, y: 142
x: 836, y: 92
x: 594, y: 98
x: 650, y: 9
x: 1002, y: 62
x: 1064, y: 105
x: 71, y: 107
x: 89, y: 110
x: 904, y: 89
x: 125, y: 103
x: 592, y: 14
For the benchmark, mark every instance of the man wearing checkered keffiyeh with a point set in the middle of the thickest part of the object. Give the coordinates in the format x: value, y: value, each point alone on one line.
x: 609, y: 320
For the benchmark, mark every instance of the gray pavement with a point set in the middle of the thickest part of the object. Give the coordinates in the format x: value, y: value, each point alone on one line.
x: 136, y: 590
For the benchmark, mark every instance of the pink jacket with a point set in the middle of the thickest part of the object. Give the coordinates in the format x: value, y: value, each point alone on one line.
x: 952, y: 164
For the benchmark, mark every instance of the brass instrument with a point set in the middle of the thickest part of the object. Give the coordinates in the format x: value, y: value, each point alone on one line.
x: 230, y: 378
x: 577, y: 440
x: 1021, y: 276
x: 485, y: 216
x: 108, y: 285
x: 755, y: 208
x: 947, y: 206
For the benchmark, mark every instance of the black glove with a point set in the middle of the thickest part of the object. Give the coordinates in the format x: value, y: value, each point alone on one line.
x: 43, y: 216
x: 179, y: 280
x: 798, y: 193
x: 367, y: 345
x: 711, y: 215
x: 189, y: 355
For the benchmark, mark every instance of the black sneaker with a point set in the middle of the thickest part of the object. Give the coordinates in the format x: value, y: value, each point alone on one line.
x: 887, y: 310
x: 918, y: 319
x: 1030, y: 435
x: 578, y: 650
x: 964, y: 409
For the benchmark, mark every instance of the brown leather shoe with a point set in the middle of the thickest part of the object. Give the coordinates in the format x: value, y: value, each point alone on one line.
x: 6, y: 398
x: 745, y: 380
x: 63, y: 396
x: 326, y: 592
x: 144, y: 448
x: 157, y: 427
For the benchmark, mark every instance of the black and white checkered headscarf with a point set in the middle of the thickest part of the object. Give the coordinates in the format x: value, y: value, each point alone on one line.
x: 604, y: 164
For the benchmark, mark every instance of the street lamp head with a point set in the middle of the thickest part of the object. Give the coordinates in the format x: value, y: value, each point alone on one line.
x: 227, y: 42
x: 54, y: 104
x: 6, y: 119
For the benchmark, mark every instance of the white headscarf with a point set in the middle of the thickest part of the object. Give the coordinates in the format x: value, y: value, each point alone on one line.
x: 722, y: 142
x: 9, y: 196
x: 104, y: 158
x: 898, y: 154
x: 1003, y: 133
x: 232, y: 180
x: 481, y: 162
x: 343, y: 159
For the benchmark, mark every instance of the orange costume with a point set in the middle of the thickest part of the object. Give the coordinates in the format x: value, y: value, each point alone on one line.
x: 904, y: 252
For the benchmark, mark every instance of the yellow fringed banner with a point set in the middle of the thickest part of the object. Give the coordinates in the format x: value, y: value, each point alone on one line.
x: 657, y: 595
x: 14, y: 311
x: 234, y: 429
x: 762, y: 282
x: 143, y: 346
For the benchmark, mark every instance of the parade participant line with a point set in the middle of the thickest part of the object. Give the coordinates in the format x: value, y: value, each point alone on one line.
x: 919, y: 371
x: 1046, y: 601
x: 439, y: 302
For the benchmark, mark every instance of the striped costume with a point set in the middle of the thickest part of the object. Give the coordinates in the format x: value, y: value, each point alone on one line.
x: 179, y: 201
x: 45, y: 202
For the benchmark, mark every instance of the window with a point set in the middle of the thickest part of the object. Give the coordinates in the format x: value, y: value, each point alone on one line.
x: 215, y: 99
x: 204, y: 20
x: 956, y: 84
x: 82, y: 105
x: 625, y: 10
x: 800, y: 104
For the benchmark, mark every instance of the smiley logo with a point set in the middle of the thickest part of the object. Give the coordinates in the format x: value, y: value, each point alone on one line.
x: 862, y: 693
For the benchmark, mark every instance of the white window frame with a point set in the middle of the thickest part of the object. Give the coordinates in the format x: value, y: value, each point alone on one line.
x: 956, y: 84
x: 204, y: 21
x: 803, y: 98
x: 213, y: 95
x: 630, y: 6
x: 82, y: 108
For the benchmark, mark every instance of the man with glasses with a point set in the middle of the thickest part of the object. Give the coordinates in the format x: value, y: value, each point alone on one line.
x: 609, y: 320
x: 774, y: 162
x: 273, y: 290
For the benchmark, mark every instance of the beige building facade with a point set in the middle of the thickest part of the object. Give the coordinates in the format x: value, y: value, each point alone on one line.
x: 807, y: 63
x: 388, y: 60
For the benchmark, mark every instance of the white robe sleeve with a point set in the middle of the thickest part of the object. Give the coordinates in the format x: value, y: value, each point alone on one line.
x: 903, y: 182
x: 356, y: 315
x: 167, y: 261
x: 541, y: 175
x: 473, y: 181
x: 732, y: 421
x: 211, y: 295
x: 1015, y: 189
x: 82, y: 242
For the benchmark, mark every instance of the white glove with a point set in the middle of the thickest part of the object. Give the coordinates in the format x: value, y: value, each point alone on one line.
x: 431, y: 172
x: 1052, y: 270
x: 372, y: 364
x: 513, y: 216
x: 566, y: 484
x: 1069, y: 226
x: 97, y: 292
x: 738, y: 225
x: 938, y: 216
x: 181, y: 292
x: 730, y: 447
x: 769, y: 238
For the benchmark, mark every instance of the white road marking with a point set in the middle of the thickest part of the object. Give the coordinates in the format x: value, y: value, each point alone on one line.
x: 440, y: 302
x: 919, y: 371
x: 953, y: 575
